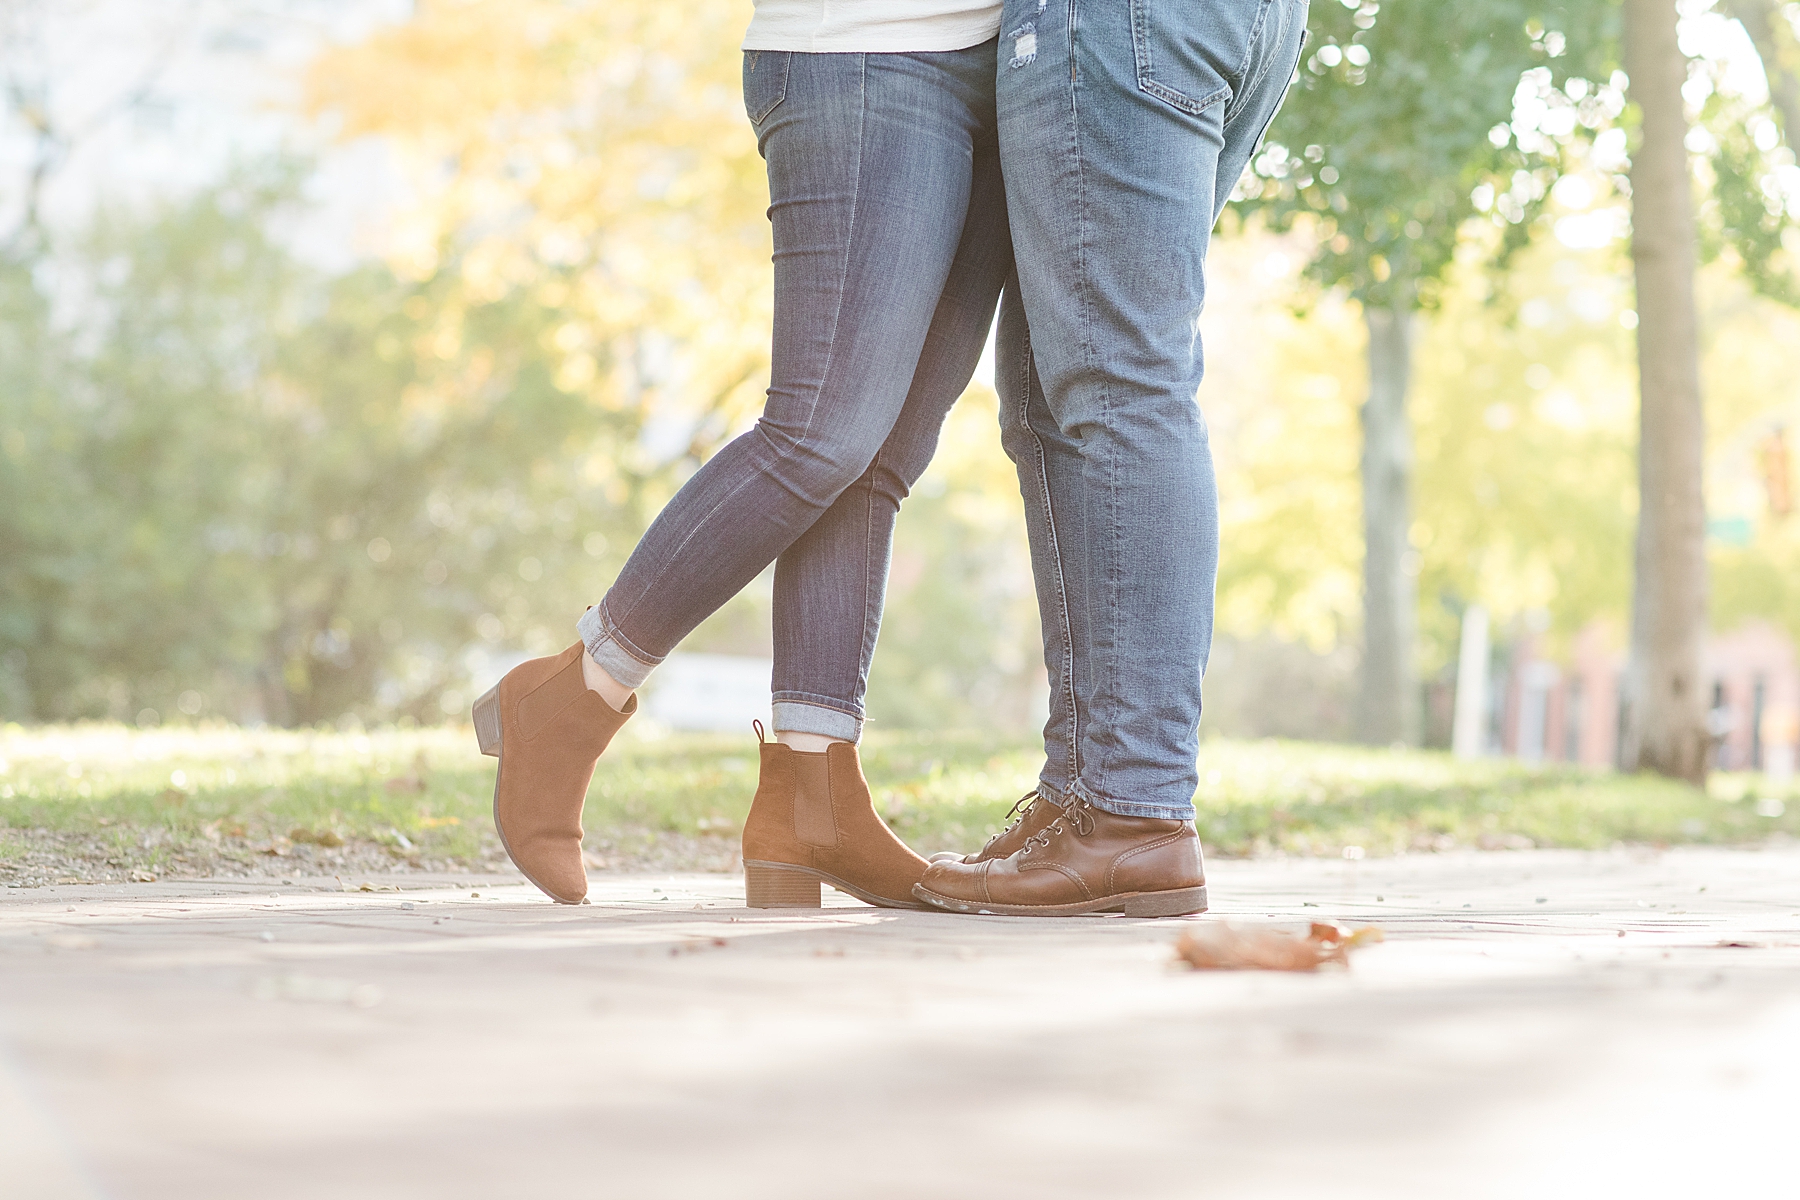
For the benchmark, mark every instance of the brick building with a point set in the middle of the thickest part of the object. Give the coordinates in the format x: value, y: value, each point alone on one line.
x: 1565, y: 708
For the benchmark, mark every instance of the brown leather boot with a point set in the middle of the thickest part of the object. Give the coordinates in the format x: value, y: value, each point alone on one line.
x: 813, y: 821
x: 1085, y: 860
x: 547, y: 729
x: 1030, y: 813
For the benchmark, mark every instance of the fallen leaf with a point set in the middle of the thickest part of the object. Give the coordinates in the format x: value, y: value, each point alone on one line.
x: 1219, y: 946
x: 142, y: 877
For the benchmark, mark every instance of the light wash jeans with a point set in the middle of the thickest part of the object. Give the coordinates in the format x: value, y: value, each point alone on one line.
x: 1124, y: 125
x: 890, y: 250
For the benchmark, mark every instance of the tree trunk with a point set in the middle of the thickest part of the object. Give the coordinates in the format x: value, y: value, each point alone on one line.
x: 1666, y: 718
x: 1389, y: 705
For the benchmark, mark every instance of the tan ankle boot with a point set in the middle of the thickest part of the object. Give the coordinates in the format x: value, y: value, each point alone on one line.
x: 547, y: 729
x: 813, y: 821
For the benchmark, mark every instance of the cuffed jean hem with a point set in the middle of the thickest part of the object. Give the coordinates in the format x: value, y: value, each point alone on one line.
x: 1118, y: 808
x: 804, y: 716
x: 605, y: 646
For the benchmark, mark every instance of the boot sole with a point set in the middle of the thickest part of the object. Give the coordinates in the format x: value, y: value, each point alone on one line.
x: 486, y: 715
x: 785, y: 885
x: 1176, y: 902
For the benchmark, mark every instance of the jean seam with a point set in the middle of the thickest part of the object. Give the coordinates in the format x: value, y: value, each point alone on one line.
x: 1067, y: 681
x: 1085, y: 308
x: 1250, y: 85
x: 868, y: 641
x: 1299, y: 53
x: 856, y: 176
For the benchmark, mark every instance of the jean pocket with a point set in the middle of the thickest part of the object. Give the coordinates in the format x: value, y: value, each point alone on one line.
x: 765, y: 81
x: 1193, y: 54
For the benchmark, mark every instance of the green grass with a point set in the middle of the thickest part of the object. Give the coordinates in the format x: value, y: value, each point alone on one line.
x: 181, y: 794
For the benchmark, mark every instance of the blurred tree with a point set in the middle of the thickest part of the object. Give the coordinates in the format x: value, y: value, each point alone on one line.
x: 1400, y: 129
x: 1748, y: 209
x: 1667, y: 697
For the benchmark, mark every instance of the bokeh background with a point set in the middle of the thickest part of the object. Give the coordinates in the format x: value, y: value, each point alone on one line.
x: 346, y: 346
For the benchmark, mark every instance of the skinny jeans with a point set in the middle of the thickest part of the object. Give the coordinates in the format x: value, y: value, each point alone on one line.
x: 890, y: 249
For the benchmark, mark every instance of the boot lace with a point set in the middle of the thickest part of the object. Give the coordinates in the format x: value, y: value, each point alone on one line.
x: 1017, y: 813
x: 1077, y: 816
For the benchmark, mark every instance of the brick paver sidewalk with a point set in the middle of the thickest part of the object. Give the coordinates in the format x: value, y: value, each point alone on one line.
x: 1537, y: 1024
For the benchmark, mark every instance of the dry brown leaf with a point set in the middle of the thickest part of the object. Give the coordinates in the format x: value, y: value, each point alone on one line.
x: 1219, y: 946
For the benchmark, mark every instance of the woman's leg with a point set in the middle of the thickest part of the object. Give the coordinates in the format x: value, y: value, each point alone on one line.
x: 870, y: 159
x: 830, y: 584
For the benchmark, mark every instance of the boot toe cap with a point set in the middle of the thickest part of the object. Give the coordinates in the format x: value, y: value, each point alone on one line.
x: 955, y: 879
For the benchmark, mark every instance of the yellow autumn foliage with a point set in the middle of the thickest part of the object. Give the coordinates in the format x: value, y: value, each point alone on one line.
x: 595, y: 154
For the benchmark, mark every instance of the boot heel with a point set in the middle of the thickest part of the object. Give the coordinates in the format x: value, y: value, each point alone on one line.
x: 487, y: 722
x: 777, y: 887
x: 1178, y: 902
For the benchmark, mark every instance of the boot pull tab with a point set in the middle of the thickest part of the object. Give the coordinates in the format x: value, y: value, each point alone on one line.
x: 758, y: 726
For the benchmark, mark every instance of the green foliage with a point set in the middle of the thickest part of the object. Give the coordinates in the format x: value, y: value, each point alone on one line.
x: 1401, y: 127
x: 116, y: 442
x: 1746, y: 209
x: 272, y: 493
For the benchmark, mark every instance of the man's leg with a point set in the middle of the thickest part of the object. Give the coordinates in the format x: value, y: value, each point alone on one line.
x: 1115, y: 130
x: 1118, y: 126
